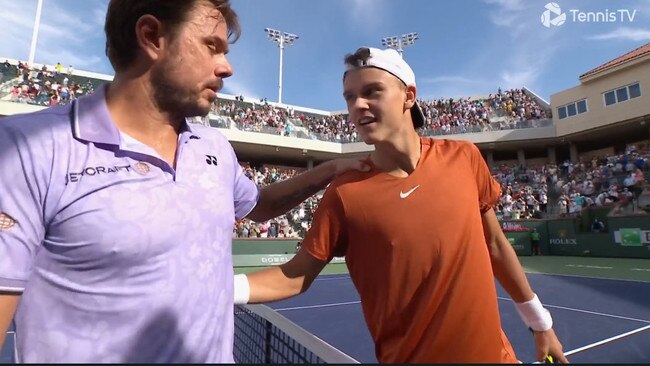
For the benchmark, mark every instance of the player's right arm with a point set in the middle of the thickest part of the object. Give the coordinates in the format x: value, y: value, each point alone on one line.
x: 8, y: 304
x: 286, y: 280
x: 25, y: 156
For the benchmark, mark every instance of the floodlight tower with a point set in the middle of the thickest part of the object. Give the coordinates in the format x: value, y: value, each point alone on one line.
x: 282, y: 39
x: 37, y: 24
x: 401, y: 42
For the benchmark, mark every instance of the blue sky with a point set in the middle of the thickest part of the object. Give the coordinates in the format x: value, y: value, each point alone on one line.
x: 465, y: 47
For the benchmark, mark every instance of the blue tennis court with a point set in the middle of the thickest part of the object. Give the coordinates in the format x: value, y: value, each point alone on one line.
x: 7, y: 355
x: 597, y: 320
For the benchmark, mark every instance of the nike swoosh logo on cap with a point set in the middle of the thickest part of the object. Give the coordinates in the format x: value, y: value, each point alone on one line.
x: 408, y: 193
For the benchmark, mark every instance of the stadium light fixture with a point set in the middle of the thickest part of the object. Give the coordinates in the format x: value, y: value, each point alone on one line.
x: 282, y: 39
x: 401, y: 42
x: 37, y: 24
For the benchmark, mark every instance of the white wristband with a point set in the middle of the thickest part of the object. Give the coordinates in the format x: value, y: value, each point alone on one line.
x: 242, y: 289
x: 534, y: 315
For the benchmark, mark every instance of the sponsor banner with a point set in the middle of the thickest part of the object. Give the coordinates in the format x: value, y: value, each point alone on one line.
x: 560, y: 238
x: 563, y: 241
x: 632, y: 237
x: 513, y: 226
x: 264, y: 260
x: 275, y: 259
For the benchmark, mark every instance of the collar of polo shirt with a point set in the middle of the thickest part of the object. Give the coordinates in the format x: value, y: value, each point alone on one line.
x: 92, y: 120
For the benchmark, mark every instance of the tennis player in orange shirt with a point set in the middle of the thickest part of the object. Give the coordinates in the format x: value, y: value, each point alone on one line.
x: 421, y: 240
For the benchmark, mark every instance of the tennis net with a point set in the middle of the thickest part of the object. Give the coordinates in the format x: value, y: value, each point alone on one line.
x: 264, y: 336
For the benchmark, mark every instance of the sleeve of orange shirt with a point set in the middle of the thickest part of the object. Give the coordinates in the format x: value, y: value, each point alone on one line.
x: 327, y: 236
x: 489, y: 190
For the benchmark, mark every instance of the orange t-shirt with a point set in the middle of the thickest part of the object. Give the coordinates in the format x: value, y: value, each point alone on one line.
x: 417, y: 255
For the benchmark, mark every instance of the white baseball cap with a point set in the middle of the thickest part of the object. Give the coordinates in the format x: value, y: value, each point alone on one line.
x: 391, y: 61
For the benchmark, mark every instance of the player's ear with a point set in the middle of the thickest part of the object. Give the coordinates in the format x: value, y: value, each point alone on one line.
x: 411, y: 93
x: 149, y: 34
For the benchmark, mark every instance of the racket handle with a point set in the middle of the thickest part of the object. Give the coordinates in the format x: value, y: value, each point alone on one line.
x: 548, y: 359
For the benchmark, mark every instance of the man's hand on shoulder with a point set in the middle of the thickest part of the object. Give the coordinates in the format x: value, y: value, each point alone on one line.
x: 344, y: 165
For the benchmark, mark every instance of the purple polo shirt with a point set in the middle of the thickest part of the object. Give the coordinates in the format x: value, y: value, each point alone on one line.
x: 120, y: 257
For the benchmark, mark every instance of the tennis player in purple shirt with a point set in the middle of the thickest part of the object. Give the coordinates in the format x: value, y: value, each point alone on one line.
x: 116, y: 215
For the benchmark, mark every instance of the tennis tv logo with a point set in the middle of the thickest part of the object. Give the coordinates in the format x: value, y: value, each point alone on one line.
x: 553, y: 15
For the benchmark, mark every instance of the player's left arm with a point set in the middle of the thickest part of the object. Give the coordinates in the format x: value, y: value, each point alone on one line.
x: 510, y: 274
x: 278, y: 198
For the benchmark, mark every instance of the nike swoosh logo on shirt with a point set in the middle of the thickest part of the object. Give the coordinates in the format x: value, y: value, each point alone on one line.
x: 408, y: 193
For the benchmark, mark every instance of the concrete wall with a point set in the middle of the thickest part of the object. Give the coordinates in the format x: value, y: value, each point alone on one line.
x: 593, y: 89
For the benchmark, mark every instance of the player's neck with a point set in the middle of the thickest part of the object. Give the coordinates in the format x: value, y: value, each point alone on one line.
x: 131, y: 106
x: 134, y: 113
x: 399, y: 157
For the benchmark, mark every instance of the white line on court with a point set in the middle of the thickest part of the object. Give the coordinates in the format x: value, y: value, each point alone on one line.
x: 606, y: 340
x: 318, y: 306
x: 587, y: 266
x: 335, y: 277
x: 332, y: 278
x: 528, y: 272
x: 500, y: 298
x: 587, y: 311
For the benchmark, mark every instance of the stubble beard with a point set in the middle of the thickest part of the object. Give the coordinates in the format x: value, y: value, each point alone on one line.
x: 173, y: 98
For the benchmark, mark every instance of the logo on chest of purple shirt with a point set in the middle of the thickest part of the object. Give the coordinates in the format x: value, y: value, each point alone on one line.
x: 211, y: 160
x: 139, y: 167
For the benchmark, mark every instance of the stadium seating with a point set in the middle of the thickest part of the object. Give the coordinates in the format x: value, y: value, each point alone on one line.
x: 503, y: 110
x: 546, y: 190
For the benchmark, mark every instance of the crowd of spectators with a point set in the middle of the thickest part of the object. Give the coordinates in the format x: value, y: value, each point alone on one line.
x: 516, y: 105
x: 524, y: 191
x: 256, y: 117
x: 612, y: 181
x: 291, y: 225
x: 263, y: 117
x: 44, y: 86
x: 606, y: 180
x: 447, y: 116
x: 502, y: 110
